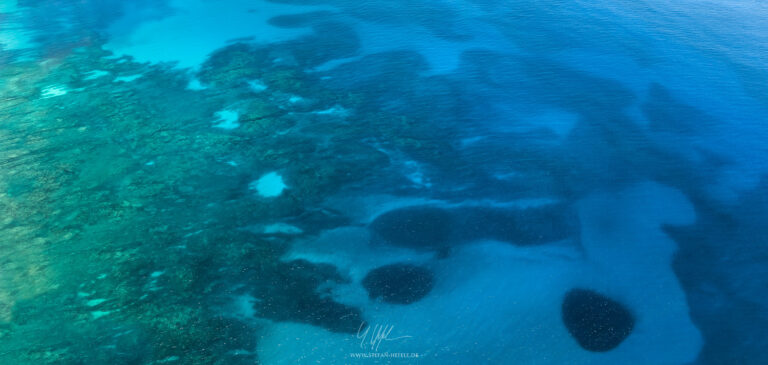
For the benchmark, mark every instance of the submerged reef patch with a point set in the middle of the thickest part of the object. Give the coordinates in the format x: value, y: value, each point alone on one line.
x: 728, y: 275
x: 529, y: 226
x: 598, y: 323
x: 399, y: 283
x: 437, y: 228
x: 421, y: 227
x: 290, y: 292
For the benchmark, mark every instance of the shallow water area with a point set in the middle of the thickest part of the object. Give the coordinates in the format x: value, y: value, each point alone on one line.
x: 328, y: 181
x: 194, y: 29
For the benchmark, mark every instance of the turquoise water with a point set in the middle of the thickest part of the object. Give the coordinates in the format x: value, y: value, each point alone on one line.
x: 331, y: 181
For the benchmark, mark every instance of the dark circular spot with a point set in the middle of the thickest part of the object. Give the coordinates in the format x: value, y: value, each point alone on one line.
x: 415, y: 227
x: 598, y: 323
x: 399, y: 283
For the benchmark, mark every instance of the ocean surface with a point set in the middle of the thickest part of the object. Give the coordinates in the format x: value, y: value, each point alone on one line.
x: 384, y: 182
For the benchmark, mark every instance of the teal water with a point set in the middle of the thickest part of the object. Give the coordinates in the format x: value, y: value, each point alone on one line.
x: 331, y: 181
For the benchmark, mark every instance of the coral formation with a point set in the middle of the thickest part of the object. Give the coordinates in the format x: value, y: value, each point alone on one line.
x: 420, y: 227
x: 399, y: 283
x: 596, y: 322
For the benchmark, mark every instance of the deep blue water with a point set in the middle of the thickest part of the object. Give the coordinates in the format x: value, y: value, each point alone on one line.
x: 332, y: 181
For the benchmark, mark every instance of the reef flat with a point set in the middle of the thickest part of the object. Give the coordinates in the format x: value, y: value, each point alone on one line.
x: 131, y: 204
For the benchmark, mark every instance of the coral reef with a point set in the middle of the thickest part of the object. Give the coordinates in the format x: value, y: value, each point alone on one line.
x: 418, y: 227
x: 596, y: 322
x: 124, y: 207
x: 399, y: 283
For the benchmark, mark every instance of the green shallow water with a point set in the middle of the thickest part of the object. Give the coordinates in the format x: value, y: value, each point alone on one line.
x: 123, y: 208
